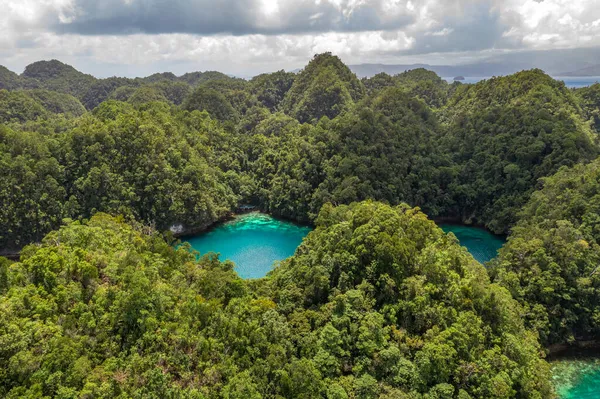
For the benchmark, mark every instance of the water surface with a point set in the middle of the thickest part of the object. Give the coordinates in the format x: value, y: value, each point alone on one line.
x: 577, y: 378
x: 253, y: 241
x: 482, y: 244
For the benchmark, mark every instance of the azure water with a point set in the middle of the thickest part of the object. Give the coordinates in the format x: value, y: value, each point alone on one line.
x: 482, y: 244
x: 577, y: 378
x: 253, y: 241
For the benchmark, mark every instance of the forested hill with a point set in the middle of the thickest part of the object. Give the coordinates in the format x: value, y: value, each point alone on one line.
x: 376, y: 303
x: 288, y: 143
x: 104, y: 309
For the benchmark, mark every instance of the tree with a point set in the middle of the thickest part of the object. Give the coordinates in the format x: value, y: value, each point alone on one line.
x: 325, y: 87
x: 550, y: 263
x: 211, y: 101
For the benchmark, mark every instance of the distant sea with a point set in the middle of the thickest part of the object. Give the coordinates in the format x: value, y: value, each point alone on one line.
x: 571, y: 81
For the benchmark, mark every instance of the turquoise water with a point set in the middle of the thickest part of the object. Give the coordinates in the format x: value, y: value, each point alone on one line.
x: 482, y: 244
x: 255, y: 241
x: 252, y: 241
x: 577, y: 378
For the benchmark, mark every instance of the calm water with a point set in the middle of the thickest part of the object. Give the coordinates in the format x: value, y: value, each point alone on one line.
x: 570, y: 81
x: 482, y: 244
x: 577, y: 378
x: 253, y: 241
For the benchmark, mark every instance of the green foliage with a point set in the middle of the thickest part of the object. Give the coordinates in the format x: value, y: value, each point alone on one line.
x: 550, y: 263
x: 420, y: 83
x: 478, y: 164
x: 160, y: 77
x: 146, y: 94
x: 149, y: 163
x: 590, y: 102
x: 8, y: 79
x: 386, y: 152
x: 32, y: 191
x: 326, y: 87
x: 426, y: 85
x: 270, y: 88
x: 17, y: 106
x: 385, y: 296
x: 56, y: 76
x: 211, y: 101
x: 236, y: 91
x: 504, y: 134
x: 57, y: 103
x: 116, y: 312
x: 195, y: 78
x: 378, y: 82
x: 174, y: 92
x: 104, y: 89
x: 475, y: 159
x: 122, y: 93
x: 377, y: 301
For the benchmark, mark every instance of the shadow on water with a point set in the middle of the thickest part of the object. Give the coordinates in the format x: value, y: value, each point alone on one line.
x: 482, y: 244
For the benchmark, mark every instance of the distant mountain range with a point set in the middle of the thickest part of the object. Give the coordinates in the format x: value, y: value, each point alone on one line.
x: 447, y: 71
x: 593, y: 70
x: 568, y: 62
x: 582, y: 62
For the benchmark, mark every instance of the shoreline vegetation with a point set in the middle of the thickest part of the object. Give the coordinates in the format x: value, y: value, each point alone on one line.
x: 191, y: 231
x: 376, y: 303
x: 240, y: 211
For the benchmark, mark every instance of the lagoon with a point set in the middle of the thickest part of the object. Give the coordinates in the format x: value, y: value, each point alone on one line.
x: 253, y: 241
x: 577, y: 377
x: 482, y: 244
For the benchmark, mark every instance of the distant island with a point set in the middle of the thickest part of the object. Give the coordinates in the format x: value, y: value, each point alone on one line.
x: 558, y: 62
x: 593, y: 70
x: 459, y: 78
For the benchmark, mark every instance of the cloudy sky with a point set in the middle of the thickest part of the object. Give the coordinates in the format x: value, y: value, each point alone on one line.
x: 245, y: 37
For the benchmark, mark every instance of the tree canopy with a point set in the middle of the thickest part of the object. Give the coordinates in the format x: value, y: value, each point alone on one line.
x: 550, y: 263
x: 325, y: 87
x: 150, y: 163
x: 377, y: 302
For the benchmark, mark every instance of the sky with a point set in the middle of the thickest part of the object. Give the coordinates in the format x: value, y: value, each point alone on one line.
x: 246, y: 37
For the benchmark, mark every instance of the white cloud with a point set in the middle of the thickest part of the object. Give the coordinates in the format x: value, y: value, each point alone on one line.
x: 273, y: 34
x: 550, y: 23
